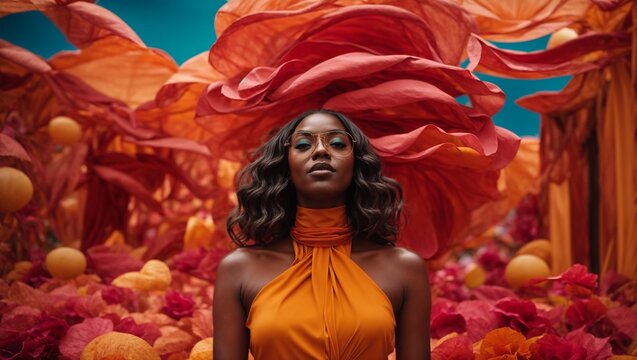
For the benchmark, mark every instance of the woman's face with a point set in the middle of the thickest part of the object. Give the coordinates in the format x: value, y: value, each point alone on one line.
x: 321, y: 160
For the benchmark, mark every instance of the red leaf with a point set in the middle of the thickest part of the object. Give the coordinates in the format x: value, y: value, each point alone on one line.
x: 79, y: 335
x: 12, y: 148
x: 584, y: 312
x: 445, y: 323
x: 457, y: 348
x: 595, y: 348
x: 479, y: 317
x: 624, y: 319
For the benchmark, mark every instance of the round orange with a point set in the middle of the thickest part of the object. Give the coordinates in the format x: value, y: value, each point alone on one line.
x: 523, y: 268
x: 539, y: 247
x: 64, y: 130
x: 65, y: 263
x: 16, y: 189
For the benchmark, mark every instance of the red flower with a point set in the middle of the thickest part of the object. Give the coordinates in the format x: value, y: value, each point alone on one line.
x: 522, y: 316
x: 122, y: 296
x: 577, y: 345
x: 40, y: 341
x: 200, y: 262
x: 178, y: 305
x: 525, y: 225
x: 585, y: 313
x: 576, y: 281
x: 147, y: 331
x: 37, y: 274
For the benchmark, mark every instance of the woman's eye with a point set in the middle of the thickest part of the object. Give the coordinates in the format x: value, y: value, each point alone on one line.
x: 339, y: 144
x: 303, y: 145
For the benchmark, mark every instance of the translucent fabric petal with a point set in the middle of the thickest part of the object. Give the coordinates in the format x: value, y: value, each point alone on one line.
x: 566, y: 59
x: 118, y: 68
x: 519, y: 20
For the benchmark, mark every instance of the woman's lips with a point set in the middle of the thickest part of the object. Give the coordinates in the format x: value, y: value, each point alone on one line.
x: 321, y: 167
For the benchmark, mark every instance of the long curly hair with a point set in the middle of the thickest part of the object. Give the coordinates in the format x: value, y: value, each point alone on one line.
x: 267, y: 201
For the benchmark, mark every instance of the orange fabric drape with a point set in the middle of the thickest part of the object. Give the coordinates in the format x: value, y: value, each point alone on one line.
x: 324, y: 306
x: 560, y: 226
x: 618, y: 153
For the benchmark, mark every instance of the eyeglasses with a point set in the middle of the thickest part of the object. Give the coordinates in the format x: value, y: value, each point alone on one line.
x: 336, y: 142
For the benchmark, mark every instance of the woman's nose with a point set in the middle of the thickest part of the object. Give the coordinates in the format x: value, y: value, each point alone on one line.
x: 320, y: 149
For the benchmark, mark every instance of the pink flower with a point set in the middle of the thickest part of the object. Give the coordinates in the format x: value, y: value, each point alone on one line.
x: 178, y: 305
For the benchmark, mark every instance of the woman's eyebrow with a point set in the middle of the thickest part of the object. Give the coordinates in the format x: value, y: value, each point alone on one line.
x: 319, y: 132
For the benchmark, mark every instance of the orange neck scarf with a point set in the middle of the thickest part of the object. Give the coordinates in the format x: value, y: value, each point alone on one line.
x: 321, y: 227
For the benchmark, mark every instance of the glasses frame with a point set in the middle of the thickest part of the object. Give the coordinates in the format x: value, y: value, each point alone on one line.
x: 319, y: 137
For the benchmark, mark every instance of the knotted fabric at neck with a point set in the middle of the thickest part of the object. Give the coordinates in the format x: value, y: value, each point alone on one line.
x: 321, y: 227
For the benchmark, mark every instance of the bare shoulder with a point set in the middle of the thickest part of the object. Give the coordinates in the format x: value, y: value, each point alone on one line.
x: 247, y: 260
x: 405, y: 266
x: 405, y: 260
x: 239, y: 260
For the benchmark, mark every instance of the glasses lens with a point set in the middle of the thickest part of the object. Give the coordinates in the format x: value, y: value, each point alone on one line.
x: 337, y: 142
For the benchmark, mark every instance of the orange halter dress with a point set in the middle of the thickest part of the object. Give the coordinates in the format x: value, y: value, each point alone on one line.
x: 324, y: 306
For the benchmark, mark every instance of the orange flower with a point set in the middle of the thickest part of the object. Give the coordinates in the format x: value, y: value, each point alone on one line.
x: 505, y: 343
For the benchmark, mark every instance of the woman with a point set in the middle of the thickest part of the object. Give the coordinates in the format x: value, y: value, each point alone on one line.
x: 322, y: 279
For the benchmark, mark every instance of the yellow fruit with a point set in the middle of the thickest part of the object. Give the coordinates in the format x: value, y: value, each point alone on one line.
x: 64, y: 130
x: 474, y: 276
x: 538, y: 247
x: 65, y: 263
x: 16, y: 189
x: 118, y: 346
x: 202, y: 350
x: 560, y: 37
x: 153, y: 276
x: 198, y: 232
x: 523, y: 268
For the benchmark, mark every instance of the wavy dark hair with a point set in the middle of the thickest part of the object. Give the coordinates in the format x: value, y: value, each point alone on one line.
x: 267, y: 202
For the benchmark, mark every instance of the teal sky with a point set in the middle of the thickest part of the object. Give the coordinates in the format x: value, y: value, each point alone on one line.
x: 186, y: 28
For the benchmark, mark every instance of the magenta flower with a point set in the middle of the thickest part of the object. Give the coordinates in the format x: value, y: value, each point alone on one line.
x: 178, y: 305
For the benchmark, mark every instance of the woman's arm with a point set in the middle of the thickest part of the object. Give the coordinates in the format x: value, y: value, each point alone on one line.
x: 412, y: 328
x: 231, y: 337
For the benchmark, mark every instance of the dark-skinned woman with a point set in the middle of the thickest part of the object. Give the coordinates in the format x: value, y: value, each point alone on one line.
x: 317, y: 274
